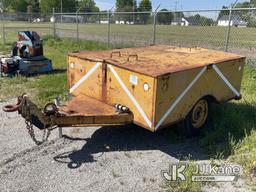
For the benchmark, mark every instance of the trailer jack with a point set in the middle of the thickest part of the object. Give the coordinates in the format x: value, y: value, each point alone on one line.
x: 81, y: 111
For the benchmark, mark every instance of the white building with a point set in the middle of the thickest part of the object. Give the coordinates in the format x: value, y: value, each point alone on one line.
x: 104, y: 22
x: 123, y: 22
x: 235, y: 21
x: 185, y: 22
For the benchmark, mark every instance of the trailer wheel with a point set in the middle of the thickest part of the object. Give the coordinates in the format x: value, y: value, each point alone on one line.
x: 197, y: 117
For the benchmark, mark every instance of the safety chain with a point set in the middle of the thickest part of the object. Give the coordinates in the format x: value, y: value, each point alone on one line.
x: 31, y: 132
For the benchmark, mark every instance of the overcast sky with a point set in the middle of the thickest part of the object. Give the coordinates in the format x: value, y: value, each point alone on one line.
x: 170, y: 4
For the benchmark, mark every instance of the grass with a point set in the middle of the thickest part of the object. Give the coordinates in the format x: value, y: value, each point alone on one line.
x: 232, y: 133
x: 234, y: 124
x: 185, y: 186
x: 210, y: 36
x: 45, y: 88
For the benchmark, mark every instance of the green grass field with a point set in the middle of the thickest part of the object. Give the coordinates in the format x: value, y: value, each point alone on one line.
x: 204, y: 36
x: 44, y: 88
x: 232, y: 134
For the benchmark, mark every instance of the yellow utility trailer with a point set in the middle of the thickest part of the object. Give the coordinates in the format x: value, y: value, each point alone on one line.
x: 159, y: 84
x: 152, y: 86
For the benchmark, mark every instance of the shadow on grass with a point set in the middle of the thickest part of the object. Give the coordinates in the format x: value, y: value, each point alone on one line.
x: 230, y: 124
x: 54, y: 71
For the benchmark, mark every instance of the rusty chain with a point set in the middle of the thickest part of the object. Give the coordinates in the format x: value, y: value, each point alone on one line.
x: 30, y: 128
x: 31, y: 132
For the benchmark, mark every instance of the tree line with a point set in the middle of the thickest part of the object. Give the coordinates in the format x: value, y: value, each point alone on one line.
x: 70, y: 5
x: 46, y: 6
x: 246, y: 15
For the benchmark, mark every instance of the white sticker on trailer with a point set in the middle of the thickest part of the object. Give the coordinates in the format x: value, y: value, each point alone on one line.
x: 134, y: 79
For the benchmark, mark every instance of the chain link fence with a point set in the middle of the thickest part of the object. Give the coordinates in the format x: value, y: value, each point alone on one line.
x: 232, y: 30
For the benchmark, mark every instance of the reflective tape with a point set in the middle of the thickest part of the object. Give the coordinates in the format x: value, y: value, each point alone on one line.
x: 226, y: 80
x: 85, y: 77
x: 134, y: 101
x: 175, y: 103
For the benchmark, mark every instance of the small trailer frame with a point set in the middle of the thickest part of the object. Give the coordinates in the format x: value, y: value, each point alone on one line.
x: 156, y: 85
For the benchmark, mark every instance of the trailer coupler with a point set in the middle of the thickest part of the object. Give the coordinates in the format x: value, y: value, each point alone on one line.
x: 29, y: 111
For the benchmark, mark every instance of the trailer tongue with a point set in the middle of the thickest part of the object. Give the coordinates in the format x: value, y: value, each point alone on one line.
x: 82, y: 111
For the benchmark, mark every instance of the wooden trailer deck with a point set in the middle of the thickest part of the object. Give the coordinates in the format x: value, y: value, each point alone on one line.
x: 158, y: 60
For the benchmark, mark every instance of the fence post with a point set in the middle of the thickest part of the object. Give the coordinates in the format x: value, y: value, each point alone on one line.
x: 228, y: 30
x: 109, y: 21
x: 54, y: 24
x: 77, y: 27
x: 3, y: 29
x: 77, y: 24
x: 154, y: 26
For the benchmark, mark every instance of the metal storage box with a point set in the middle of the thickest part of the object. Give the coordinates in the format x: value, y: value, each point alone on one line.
x: 160, y: 84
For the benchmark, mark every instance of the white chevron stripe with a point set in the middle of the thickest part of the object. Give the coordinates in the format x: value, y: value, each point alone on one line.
x: 143, y: 114
x: 175, y: 103
x: 226, y: 80
x: 84, y: 78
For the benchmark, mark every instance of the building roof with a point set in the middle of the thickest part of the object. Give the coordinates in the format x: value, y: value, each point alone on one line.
x: 158, y: 60
x: 177, y: 20
x: 226, y: 18
x: 71, y: 16
x: 192, y: 20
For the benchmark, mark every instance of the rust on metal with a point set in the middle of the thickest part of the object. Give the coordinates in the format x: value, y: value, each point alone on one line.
x: 84, y: 111
x: 80, y: 111
x: 86, y: 106
x: 104, y: 82
x: 158, y: 60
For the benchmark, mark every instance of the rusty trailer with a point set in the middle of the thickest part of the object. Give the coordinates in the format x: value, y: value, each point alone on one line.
x: 152, y: 86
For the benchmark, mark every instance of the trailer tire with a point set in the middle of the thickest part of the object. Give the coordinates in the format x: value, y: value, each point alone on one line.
x: 198, y: 117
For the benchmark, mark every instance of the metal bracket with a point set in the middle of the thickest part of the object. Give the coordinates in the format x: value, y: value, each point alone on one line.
x: 133, y: 55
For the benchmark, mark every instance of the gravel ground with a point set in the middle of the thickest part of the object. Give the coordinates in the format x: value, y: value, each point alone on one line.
x: 123, y: 158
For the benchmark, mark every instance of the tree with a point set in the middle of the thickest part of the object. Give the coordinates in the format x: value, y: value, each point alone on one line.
x: 5, y: 4
x: 20, y: 5
x: 126, y: 6
x: 223, y: 12
x: 88, y: 6
x: 246, y: 15
x: 201, y: 20
x: 48, y: 5
x: 164, y: 17
x: 35, y: 6
x: 145, y: 5
x: 178, y: 14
